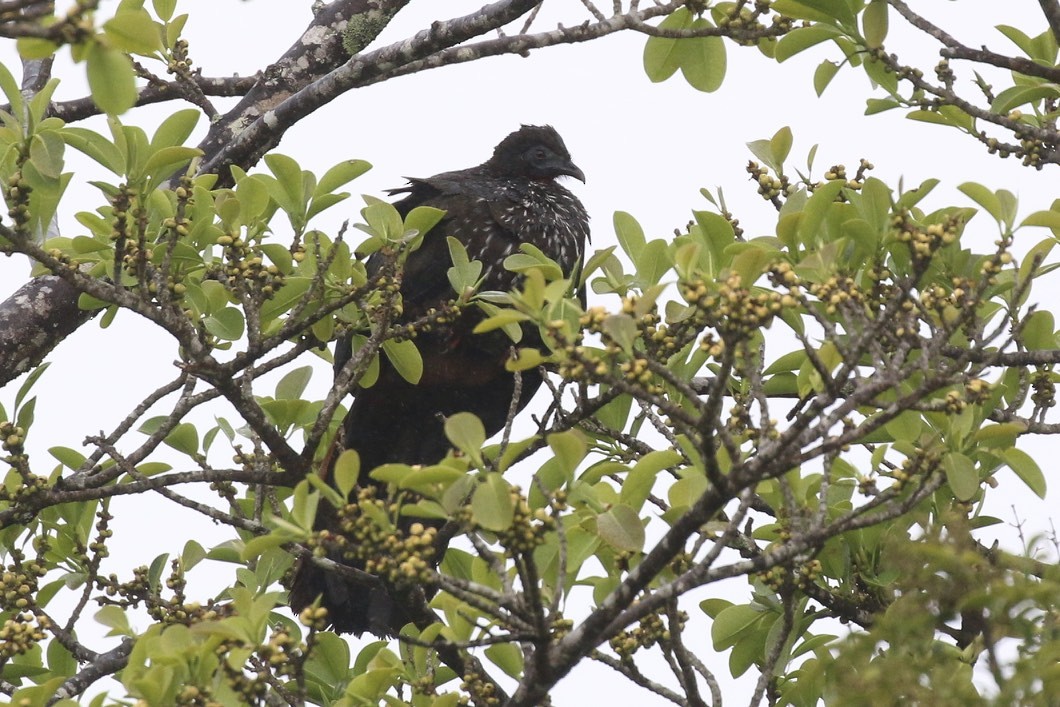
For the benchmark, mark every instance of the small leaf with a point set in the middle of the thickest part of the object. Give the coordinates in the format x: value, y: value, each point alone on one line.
x: 703, y: 60
x: 347, y: 471
x: 641, y: 477
x: 874, y: 23
x: 110, y: 79
x: 802, y: 38
x: 662, y: 55
x: 134, y: 31
x: 961, y: 475
x: 823, y: 76
x: 780, y: 145
x: 339, y: 175
x: 621, y: 329
x: 184, y: 438
x: 467, y: 434
x: 115, y: 618
x: 226, y: 324
x: 405, y: 358
x: 999, y: 436
x: 501, y: 319
x: 731, y: 624
x: 95, y: 146
x: 423, y: 218
x: 630, y: 234
x: 984, y: 197
x: 525, y: 359
x: 491, y: 503
x: 1027, y: 469
x: 507, y: 657
x: 621, y: 528
x: 1039, y: 331
x: 164, y: 9
x: 292, y: 385
x: 70, y: 458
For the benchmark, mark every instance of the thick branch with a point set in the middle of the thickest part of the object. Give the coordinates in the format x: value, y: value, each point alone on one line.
x: 265, y: 123
x: 224, y: 86
x: 318, y: 51
x: 33, y: 321
x: 1051, y: 10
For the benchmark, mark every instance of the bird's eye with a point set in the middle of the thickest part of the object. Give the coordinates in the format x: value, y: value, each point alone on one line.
x: 539, y: 154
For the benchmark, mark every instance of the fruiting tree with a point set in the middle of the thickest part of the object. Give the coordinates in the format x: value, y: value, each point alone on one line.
x: 820, y: 413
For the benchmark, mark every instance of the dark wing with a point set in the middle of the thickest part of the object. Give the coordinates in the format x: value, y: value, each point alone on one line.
x: 473, y: 207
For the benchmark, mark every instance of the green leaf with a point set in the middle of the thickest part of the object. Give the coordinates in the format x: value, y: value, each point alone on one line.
x: 662, y: 56
x: 284, y: 298
x: 405, y: 358
x: 502, y: 318
x: 1016, y: 96
x: 985, y: 198
x: 226, y: 324
x: 703, y: 60
x: 134, y: 31
x: 621, y: 329
x: 569, y: 449
x: 827, y: 11
x: 347, y: 471
x: 641, y: 478
x: 1039, y: 331
x: 70, y: 458
x: 1027, y: 469
x: 30, y: 381
x: 731, y: 623
x: 467, y: 434
x: 879, y: 105
x: 621, y: 528
x: 164, y: 9
x: 525, y: 359
x: 184, y: 438
x: 340, y: 174
x: 750, y: 263
x: 816, y: 209
x: 175, y: 129
x: 802, y: 38
x: 465, y: 273
x: 164, y: 162
x: 35, y: 48
x: 115, y: 618
x: 423, y: 218
x: 905, y: 426
x: 384, y: 221
x: 491, y: 503
x: 292, y: 385
x: 874, y: 23
x: 999, y: 436
x: 823, y: 76
x: 289, y: 188
x: 630, y: 234
x: 780, y: 145
x: 95, y: 146
x: 110, y: 79
x: 961, y: 475
x: 508, y: 657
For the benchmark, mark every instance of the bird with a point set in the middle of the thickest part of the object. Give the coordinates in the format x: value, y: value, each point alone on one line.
x: 513, y: 198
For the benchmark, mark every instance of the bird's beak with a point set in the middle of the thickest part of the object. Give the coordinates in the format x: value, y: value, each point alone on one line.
x: 571, y: 170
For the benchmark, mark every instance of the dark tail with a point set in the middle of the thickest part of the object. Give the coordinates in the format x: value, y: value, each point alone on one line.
x: 353, y: 606
x: 395, y: 422
x: 386, y: 423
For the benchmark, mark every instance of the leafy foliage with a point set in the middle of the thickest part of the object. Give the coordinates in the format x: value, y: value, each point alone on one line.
x: 822, y: 411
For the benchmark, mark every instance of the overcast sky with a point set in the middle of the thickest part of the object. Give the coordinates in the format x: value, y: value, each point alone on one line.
x: 645, y: 148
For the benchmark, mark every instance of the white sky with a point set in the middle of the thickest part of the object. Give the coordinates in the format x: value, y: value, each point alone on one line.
x: 645, y: 148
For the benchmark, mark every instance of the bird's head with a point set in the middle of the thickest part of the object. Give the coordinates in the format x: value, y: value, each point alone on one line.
x: 534, y: 151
